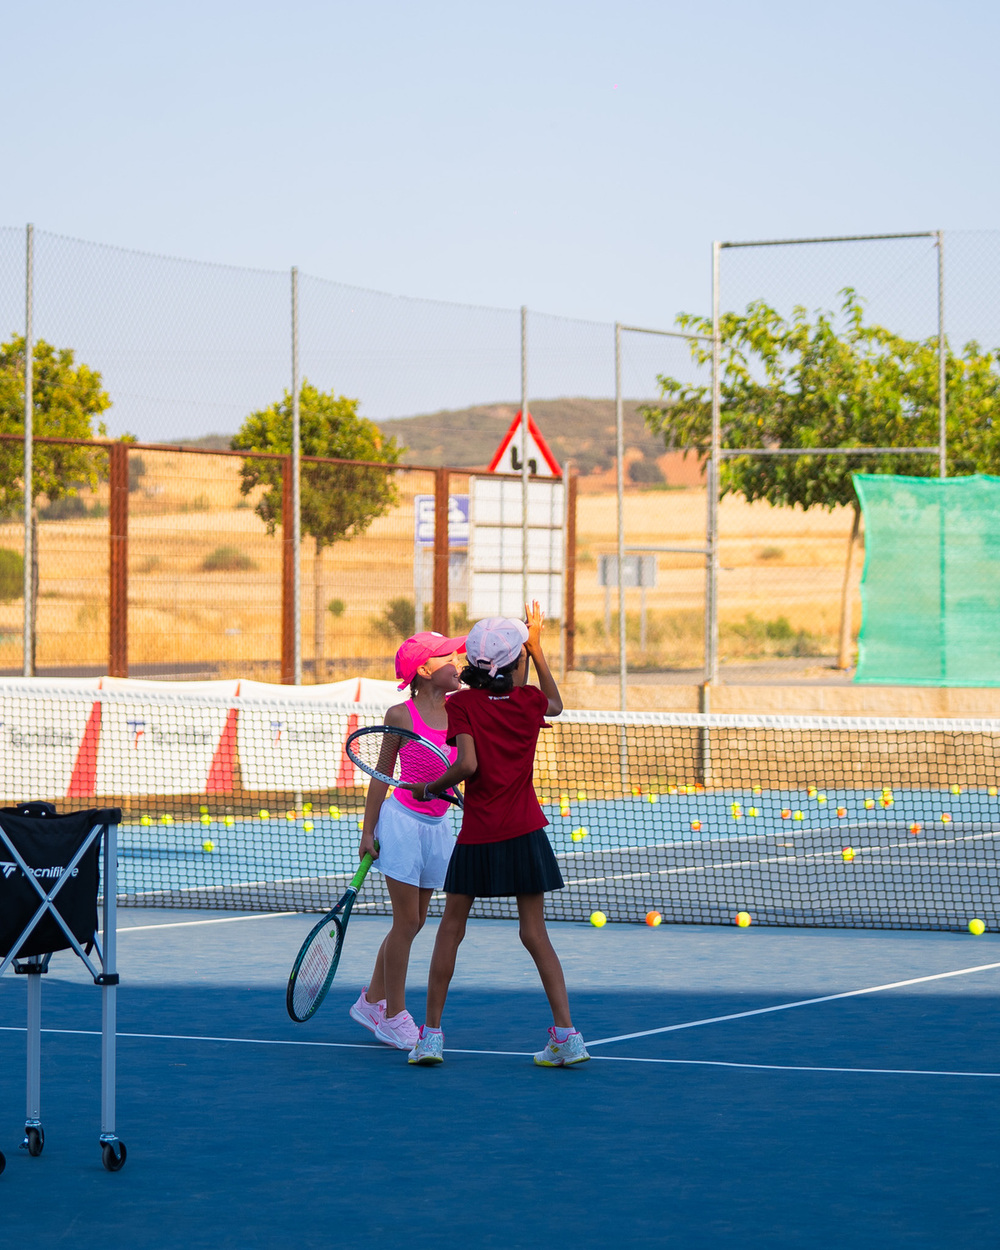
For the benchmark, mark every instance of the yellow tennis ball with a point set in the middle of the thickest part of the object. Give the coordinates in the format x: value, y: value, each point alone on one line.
x: 869, y: 803
x: 848, y: 854
x: 598, y: 919
x: 206, y: 819
x: 956, y: 789
x: 992, y: 792
x: 307, y: 807
x: 976, y: 927
x: 264, y: 814
x: 145, y: 820
x: 743, y: 919
x: 229, y: 821
x: 307, y: 826
x: 651, y: 798
x: 208, y: 845
x: 653, y: 918
x: 166, y: 819
x: 820, y: 798
x: 757, y: 790
x: 578, y: 835
x: 335, y: 812
x: 797, y: 816
x: 752, y: 811
x: 203, y: 810
x: 581, y: 795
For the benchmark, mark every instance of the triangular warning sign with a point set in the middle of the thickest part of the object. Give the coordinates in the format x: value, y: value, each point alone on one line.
x: 508, y: 458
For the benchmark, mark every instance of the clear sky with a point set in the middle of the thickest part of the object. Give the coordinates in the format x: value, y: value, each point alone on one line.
x: 575, y: 157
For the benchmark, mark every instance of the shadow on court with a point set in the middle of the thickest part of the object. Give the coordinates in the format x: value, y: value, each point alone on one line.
x: 240, y: 1144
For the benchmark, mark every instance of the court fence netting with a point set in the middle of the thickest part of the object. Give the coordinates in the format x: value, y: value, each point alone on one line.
x: 249, y: 803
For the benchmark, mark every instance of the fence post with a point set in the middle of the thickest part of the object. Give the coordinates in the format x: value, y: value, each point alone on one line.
x: 440, y: 611
x: 118, y: 564
x: 287, y: 574
x: 29, y: 476
x: 569, y: 593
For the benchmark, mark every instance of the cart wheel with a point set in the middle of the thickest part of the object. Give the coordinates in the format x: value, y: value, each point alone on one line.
x: 34, y: 1140
x: 114, y: 1162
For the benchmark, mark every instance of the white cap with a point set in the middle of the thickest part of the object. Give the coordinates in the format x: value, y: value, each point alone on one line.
x: 496, y: 642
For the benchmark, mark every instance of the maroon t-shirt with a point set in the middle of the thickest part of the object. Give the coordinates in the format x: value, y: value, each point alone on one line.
x: 500, y: 800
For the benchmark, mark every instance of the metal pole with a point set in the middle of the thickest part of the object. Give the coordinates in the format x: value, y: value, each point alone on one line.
x: 296, y: 484
x: 620, y: 491
x: 109, y: 988
x: 29, y: 466
x: 712, y: 536
x: 942, y: 359
x: 524, y: 453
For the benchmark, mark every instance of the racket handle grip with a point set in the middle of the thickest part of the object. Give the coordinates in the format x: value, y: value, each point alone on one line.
x: 362, y: 872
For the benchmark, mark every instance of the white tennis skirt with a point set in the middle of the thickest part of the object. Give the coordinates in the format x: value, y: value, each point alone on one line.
x: 413, y: 848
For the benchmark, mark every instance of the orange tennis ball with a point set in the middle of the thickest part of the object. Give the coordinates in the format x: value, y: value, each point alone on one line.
x: 946, y: 818
x: 653, y: 918
x: 743, y: 919
x: 696, y: 825
x: 786, y: 813
x: 915, y: 828
x: 841, y: 811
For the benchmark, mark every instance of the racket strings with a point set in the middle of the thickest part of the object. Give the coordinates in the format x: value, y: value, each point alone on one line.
x: 314, y: 969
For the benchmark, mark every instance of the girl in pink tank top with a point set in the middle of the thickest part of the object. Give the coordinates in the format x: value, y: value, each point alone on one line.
x: 414, y: 840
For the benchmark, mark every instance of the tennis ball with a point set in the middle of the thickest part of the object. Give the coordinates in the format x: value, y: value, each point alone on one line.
x: 946, y: 818
x: 786, y: 813
x: 841, y: 811
x: 208, y: 845
x: 653, y: 918
x: 145, y: 820
x: 976, y: 927
x: 869, y: 803
x: 598, y: 919
x: 956, y: 789
x: 636, y: 792
x: 886, y: 792
x: 696, y: 825
x: 307, y: 807
x: 992, y: 792
x: 820, y: 798
x: 886, y: 801
x: 166, y: 819
x: 290, y: 816
x: 307, y: 826
x: 848, y: 854
x: 335, y: 812
x: 229, y: 821
x: 811, y: 792
x: 797, y: 816
x: 206, y: 819
x: 757, y: 790
x: 581, y: 795
x: 752, y: 811
x: 673, y: 790
x: 264, y: 814
x: 735, y: 808
x: 743, y: 919
x: 915, y: 828
x: 203, y: 810
x: 690, y: 790
x: 579, y: 834
x: 651, y: 798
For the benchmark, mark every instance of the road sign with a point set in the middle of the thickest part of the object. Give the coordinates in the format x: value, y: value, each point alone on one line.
x: 636, y: 571
x: 458, y: 520
x: 508, y: 457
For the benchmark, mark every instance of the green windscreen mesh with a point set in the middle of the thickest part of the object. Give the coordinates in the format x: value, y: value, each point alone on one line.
x: 930, y: 591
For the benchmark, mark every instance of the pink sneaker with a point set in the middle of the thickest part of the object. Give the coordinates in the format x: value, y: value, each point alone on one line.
x: 400, y: 1031
x: 366, y: 1013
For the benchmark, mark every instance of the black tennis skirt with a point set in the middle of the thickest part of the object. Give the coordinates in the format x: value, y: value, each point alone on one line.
x: 524, y: 865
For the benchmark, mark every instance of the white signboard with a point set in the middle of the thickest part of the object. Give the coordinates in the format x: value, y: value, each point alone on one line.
x: 496, y: 552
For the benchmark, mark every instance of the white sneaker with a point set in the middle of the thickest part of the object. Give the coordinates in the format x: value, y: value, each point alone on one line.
x: 366, y: 1013
x: 562, y: 1054
x: 400, y: 1030
x: 429, y: 1049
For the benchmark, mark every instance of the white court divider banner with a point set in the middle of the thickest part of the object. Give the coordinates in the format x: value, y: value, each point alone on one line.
x: 294, y: 740
x: 43, y: 735
x: 152, y: 745
x: 384, y: 692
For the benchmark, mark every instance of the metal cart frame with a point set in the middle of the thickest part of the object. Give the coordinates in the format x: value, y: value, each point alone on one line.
x: 104, y: 972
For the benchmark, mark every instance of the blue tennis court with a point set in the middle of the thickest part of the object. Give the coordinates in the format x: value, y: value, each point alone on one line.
x: 777, y: 1087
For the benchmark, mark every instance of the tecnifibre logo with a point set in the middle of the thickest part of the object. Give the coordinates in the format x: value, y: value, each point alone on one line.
x: 43, y: 874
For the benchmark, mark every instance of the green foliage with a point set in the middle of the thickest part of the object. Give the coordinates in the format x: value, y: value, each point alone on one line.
x: 339, y: 501
x: 776, y: 637
x: 11, y: 575
x: 336, y: 607
x: 397, y: 620
x: 68, y: 402
x: 802, y: 383
x: 227, y: 560
x: 645, y: 472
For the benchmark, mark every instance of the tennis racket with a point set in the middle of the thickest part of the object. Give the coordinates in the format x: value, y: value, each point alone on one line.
x: 387, y: 753
x: 316, y: 962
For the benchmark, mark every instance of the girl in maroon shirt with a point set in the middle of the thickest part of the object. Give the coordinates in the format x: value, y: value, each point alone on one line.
x: 502, y: 849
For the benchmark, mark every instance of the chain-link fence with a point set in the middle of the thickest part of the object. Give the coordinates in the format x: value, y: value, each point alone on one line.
x: 186, y: 351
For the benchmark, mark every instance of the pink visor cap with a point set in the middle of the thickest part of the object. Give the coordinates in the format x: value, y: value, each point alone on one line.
x: 496, y: 642
x: 421, y: 648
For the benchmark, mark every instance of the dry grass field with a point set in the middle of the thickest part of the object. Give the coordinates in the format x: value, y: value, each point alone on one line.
x: 205, y: 577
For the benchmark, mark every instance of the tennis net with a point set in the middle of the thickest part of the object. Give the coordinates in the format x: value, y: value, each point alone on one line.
x: 251, y: 804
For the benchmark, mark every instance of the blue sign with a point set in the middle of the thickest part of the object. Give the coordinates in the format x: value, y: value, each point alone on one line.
x: 458, y: 520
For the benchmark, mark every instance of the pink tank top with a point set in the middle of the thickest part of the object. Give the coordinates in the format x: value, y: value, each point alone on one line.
x: 436, y: 807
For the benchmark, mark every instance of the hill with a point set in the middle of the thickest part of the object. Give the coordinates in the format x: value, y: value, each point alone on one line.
x: 581, y: 430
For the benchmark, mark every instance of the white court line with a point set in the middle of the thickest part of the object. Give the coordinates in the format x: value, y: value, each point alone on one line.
x: 803, y: 1002
x: 510, y: 1054
x: 186, y: 924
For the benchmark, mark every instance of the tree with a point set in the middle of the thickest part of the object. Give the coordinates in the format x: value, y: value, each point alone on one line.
x: 338, y: 501
x: 67, y: 401
x: 801, y: 384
